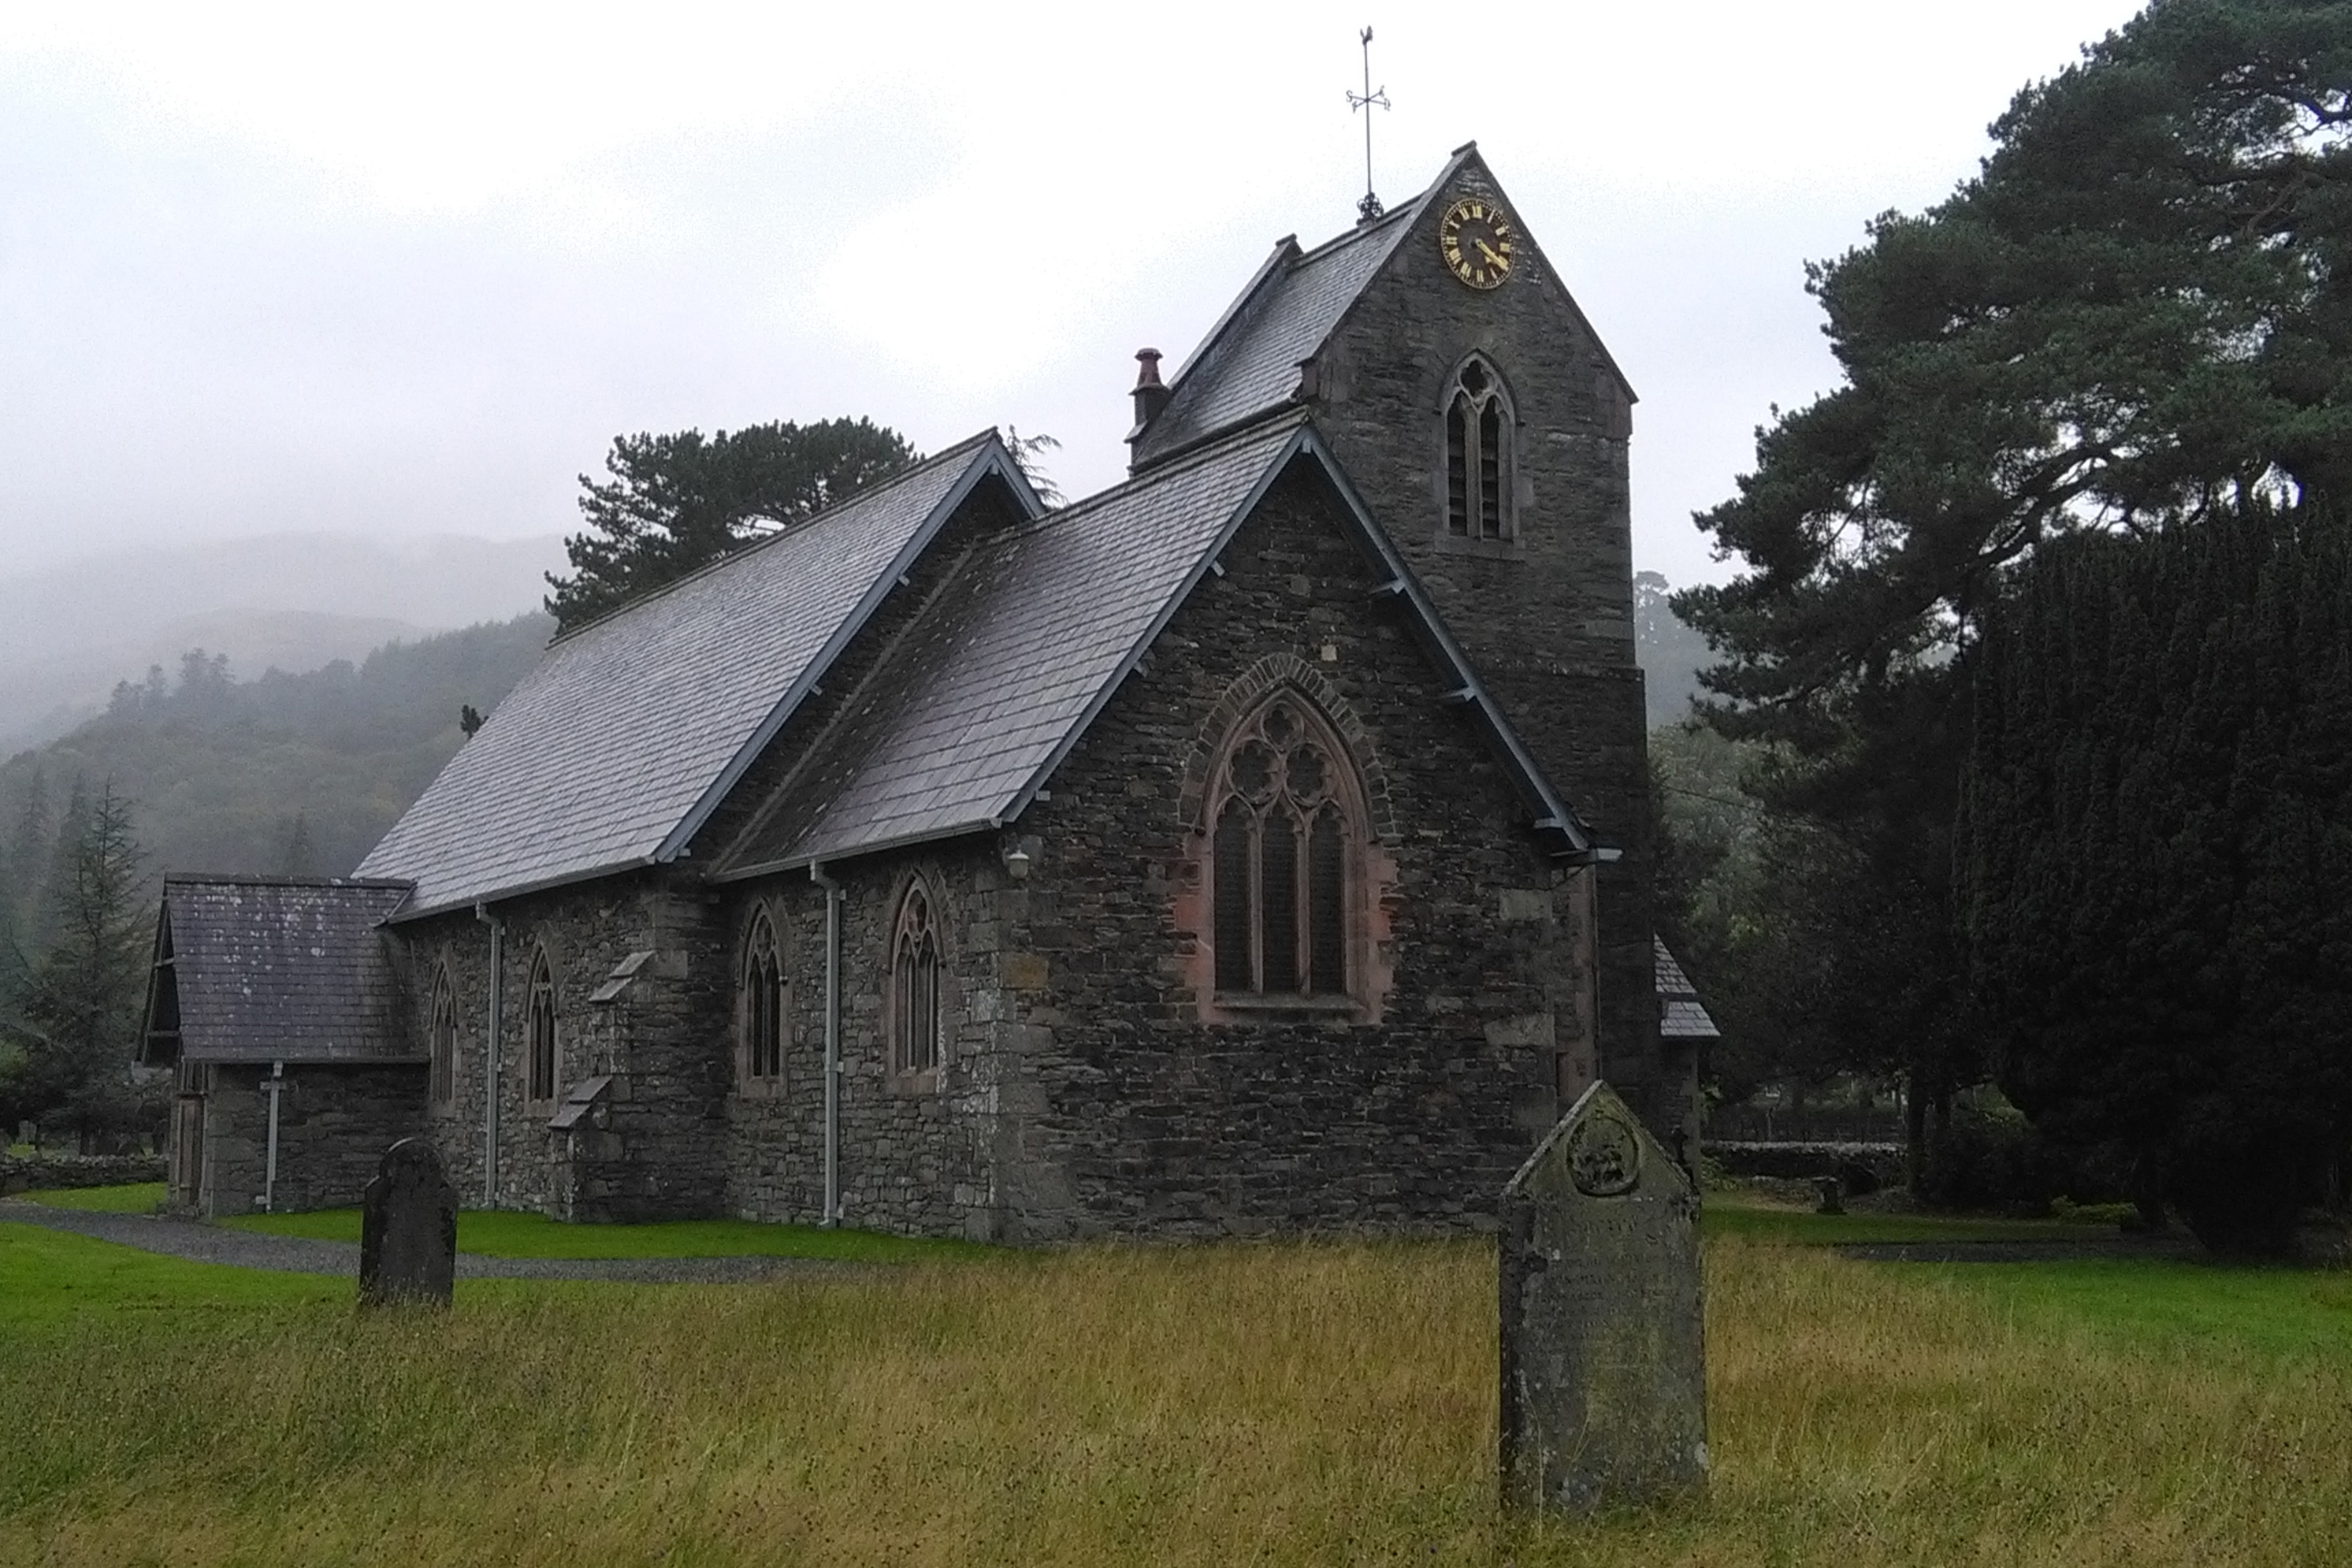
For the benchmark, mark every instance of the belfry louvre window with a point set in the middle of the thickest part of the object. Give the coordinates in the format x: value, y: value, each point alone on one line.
x: 763, y: 1003
x: 1279, y: 860
x: 1478, y: 437
x: 540, y: 1083
x: 441, y: 1039
x: 914, y: 1021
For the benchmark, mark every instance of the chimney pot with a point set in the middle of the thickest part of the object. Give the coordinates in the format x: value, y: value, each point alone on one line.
x: 1150, y: 396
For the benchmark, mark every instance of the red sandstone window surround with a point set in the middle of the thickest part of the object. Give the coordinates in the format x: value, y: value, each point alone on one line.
x: 1286, y: 822
x: 912, y: 1020
x: 539, y: 1032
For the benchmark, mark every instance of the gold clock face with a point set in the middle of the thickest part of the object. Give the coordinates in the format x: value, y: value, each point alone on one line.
x: 1476, y: 237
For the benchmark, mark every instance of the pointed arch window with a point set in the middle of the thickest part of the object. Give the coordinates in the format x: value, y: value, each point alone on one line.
x: 1479, y: 437
x: 539, y: 1032
x: 441, y: 1039
x: 765, y: 1029
x: 1281, y: 863
x: 913, y: 1025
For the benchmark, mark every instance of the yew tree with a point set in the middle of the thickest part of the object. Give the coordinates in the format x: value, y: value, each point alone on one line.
x: 2155, y: 866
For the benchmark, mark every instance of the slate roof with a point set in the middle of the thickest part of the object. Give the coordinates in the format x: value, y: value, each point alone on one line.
x: 1681, y: 1014
x: 1249, y: 363
x: 279, y: 969
x: 615, y: 748
x: 1016, y: 654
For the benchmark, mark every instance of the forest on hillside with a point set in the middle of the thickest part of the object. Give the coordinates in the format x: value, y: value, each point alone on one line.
x: 280, y: 772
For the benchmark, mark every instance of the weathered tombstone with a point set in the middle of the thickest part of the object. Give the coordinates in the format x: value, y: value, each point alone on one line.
x: 1831, y: 1189
x: 1605, y: 1368
x: 408, y: 1229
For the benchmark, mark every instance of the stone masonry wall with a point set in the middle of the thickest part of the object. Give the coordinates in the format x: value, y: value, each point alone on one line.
x: 1546, y: 620
x: 334, y: 1122
x: 1131, y: 1114
x: 652, y: 1146
x: 916, y: 1153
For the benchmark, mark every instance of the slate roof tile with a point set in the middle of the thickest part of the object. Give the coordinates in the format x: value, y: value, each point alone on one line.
x: 627, y: 726
x: 1002, y: 667
x: 1249, y: 364
x: 1682, y: 1015
x: 284, y: 969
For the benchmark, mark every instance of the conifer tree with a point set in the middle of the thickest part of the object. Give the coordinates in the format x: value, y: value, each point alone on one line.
x: 79, y: 1018
x: 2137, y: 316
x: 676, y: 503
x: 2157, y: 859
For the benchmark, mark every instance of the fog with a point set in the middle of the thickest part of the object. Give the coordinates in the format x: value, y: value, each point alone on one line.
x: 405, y: 272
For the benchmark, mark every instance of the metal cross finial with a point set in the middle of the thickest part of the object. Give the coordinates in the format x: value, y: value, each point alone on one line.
x: 1370, y: 207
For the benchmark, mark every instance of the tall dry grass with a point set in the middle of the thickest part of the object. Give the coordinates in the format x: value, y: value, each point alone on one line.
x: 1327, y: 1402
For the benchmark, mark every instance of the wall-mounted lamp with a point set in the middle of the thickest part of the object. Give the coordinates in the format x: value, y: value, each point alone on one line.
x: 1017, y: 863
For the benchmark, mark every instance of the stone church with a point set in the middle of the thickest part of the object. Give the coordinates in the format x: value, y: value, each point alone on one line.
x: 1262, y: 844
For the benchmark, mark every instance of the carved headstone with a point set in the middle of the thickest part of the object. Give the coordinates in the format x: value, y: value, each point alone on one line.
x: 408, y: 1229
x: 1605, y: 1368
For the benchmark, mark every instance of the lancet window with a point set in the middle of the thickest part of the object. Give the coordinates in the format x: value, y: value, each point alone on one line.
x: 914, y: 1016
x: 1478, y: 445
x: 762, y: 1004
x: 441, y: 1039
x: 541, y: 1031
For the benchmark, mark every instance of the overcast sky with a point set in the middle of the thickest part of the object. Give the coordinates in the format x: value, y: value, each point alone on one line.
x: 409, y: 269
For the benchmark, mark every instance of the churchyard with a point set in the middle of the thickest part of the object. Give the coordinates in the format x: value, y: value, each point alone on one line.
x: 1301, y: 1402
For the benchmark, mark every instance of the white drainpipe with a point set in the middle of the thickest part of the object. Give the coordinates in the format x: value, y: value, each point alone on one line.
x: 274, y: 1083
x: 831, y: 1214
x: 491, y: 1066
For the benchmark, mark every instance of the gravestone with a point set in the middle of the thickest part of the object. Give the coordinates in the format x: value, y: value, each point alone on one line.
x: 1605, y: 1368
x: 408, y: 1229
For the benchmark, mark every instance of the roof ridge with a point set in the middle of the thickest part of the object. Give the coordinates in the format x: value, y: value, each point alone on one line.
x: 267, y: 879
x: 791, y: 530
x: 1282, y: 416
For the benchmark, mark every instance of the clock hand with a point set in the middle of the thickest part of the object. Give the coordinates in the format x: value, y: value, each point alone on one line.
x: 1492, y: 255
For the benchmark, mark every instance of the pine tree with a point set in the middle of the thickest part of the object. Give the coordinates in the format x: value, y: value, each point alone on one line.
x: 676, y: 503
x: 79, y: 1014
x: 22, y: 861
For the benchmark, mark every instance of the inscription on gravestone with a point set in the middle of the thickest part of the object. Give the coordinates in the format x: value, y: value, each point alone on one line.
x: 408, y: 1229
x: 1604, y: 1368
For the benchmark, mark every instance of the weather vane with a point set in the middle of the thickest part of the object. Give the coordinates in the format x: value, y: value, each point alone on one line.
x: 1370, y: 206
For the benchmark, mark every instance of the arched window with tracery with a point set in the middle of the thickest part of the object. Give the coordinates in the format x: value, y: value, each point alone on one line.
x: 1283, y: 819
x: 763, y: 1005
x: 1478, y: 444
x: 914, y: 1014
x: 541, y: 1031
x: 441, y: 1039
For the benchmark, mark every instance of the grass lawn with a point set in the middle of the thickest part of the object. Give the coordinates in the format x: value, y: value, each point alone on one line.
x: 1745, y: 1215
x: 502, y: 1232
x: 1292, y: 1403
x: 133, y: 1197
x: 2191, y: 1306
x: 52, y: 1280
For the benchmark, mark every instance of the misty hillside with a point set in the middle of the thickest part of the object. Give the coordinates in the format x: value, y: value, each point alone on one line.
x: 222, y: 770
x: 295, y: 601
x: 1670, y: 653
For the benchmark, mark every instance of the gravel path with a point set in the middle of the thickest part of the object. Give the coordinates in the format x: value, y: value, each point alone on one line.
x: 301, y: 1255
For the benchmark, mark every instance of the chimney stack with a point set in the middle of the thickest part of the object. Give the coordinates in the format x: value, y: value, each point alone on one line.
x: 1150, y: 396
